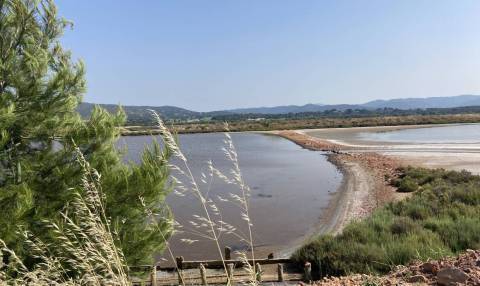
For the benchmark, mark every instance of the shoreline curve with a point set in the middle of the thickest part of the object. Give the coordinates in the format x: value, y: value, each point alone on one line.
x: 363, y: 187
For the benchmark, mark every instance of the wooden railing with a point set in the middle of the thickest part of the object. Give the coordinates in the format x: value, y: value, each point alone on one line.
x: 212, y: 271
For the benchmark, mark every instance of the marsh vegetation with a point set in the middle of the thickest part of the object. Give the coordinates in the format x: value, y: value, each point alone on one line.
x: 442, y: 217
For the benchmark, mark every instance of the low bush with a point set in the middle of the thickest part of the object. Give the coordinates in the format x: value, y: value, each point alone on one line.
x: 441, y: 218
x: 407, y: 185
x: 403, y: 225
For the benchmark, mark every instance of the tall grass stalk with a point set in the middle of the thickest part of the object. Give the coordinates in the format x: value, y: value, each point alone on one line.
x: 213, y: 228
x: 151, y: 217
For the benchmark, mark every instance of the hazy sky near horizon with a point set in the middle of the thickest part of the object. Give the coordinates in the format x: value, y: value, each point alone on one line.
x: 220, y: 54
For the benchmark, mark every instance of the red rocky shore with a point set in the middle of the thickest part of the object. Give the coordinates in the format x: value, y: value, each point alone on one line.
x: 450, y: 271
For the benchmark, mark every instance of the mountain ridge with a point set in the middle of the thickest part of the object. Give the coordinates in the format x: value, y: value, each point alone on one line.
x: 140, y: 113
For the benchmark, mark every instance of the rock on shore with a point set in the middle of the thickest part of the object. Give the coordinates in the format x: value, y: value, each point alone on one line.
x: 461, y: 270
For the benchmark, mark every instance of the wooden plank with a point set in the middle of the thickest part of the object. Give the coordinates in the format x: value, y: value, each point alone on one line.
x: 307, y: 277
x: 181, y: 280
x: 230, y: 273
x: 147, y: 267
x: 220, y: 279
x: 217, y: 264
x: 153, y: 276
x: 280, y: 272
x: 203, y: 275
x: 228, y: 253
x: 179, y: 261
x: 258, y: 269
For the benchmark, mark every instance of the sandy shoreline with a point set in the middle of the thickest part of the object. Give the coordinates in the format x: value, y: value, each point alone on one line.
x: 345, y: 204
x: 363, y: 187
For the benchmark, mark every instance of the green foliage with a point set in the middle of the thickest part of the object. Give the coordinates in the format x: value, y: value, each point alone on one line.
x: 40, y: 89
x: 407, y: 185
x: 442, y: 217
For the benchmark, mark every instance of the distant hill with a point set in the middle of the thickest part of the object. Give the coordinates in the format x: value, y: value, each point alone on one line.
x: 141, y: 115
x: 429, y: 102
x: 402, y: 103
x: 291, y: 109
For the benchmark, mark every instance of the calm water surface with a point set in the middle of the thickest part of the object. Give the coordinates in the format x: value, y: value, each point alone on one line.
x: 467, y: 133
x: 290, y: 186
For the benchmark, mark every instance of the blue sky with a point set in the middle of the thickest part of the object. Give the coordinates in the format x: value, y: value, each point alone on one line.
x: 210, y: 55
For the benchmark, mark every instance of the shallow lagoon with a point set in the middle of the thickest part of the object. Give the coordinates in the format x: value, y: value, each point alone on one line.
x: 290, y: 187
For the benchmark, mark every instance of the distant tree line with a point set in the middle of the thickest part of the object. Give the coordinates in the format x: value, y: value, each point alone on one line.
x: 351, y: 113
x: 143, y: 117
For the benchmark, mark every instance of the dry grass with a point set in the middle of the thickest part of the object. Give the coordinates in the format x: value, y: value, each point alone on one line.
x: 84, y: 250
x: 209, y: 224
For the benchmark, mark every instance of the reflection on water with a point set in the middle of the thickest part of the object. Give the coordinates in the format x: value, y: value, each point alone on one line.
x: 290, y: 186
x: 466, y: 133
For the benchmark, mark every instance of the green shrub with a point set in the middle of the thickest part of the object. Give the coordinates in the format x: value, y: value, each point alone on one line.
x: 403, y: 225
x: 459, y: 234
x: 407, y: 185
x: 417, y: 211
